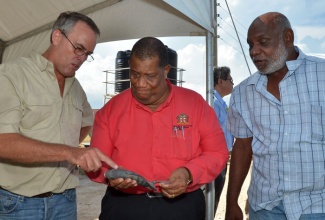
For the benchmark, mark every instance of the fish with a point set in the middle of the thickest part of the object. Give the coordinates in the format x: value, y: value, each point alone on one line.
x: 119, y: 173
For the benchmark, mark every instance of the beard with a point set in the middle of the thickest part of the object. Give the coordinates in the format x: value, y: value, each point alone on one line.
x: 277, y: 61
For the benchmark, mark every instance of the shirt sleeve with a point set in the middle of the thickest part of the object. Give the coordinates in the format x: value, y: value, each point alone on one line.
x: 214, y: 153
x: 236, y: 123
x: 101, y: 140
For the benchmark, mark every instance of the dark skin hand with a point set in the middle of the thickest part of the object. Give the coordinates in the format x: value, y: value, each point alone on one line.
x: 121, y: 183
x: 175, y: 186
x: 177, y: 183
x: 241, y: 157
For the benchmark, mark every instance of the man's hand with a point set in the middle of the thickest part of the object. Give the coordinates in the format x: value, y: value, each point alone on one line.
x: 233, y: 212
x: 89, y: 159
x: 121, y: 183
x: 177, y: 183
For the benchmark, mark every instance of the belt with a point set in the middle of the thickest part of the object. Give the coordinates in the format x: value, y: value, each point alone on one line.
x: 42, y: 195
x: 154, y: 195
x: 114, y: 192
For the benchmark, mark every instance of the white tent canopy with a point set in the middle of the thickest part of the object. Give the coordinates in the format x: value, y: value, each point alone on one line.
x: 25, y: 25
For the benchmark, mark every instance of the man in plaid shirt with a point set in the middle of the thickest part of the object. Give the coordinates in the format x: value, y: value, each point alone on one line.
x: 278, y: 115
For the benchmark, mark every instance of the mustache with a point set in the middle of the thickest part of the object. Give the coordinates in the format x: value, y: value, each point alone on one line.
x: 257, y: 58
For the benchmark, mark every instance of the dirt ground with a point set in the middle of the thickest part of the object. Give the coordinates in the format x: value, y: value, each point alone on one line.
x: 89, y: 196
x: 221, y: 211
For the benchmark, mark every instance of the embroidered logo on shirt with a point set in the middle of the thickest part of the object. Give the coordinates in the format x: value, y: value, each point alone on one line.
x: 182, y: 123
x: 182, y: 119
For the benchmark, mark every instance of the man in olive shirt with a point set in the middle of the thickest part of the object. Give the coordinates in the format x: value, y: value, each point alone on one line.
x: 44, y: 115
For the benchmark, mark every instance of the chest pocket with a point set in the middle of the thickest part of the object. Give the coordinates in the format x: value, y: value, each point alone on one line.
x: 315, y: 95
x: 75, y: 111
x: 37, y: 111
x: 317, y: 123
x: 182, y: 142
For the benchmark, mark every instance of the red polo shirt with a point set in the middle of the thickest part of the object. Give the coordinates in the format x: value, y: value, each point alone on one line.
x: 182, y: 132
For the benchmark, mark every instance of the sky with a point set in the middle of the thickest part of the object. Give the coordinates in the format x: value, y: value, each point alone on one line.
x: 307, y: 20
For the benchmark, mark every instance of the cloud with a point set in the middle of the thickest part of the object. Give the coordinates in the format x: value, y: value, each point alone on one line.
x: 192, y: 59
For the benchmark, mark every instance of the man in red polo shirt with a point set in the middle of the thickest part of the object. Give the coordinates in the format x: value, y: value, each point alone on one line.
x: 162, y: 132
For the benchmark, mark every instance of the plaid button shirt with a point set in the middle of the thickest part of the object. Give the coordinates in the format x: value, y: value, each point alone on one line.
x: 288, y: 137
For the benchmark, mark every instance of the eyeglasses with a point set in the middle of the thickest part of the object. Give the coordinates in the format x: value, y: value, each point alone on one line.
x: 231, y: 80
x: 79, y: 51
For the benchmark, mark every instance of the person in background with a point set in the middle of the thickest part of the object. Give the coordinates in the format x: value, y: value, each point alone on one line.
x: 277, y: 115
x: 44, y: 116
x: 223, y: 85
x: 162, y: 132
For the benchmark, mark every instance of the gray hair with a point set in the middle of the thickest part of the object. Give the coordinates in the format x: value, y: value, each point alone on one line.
x: 67, y: 20
x: 222, y: 72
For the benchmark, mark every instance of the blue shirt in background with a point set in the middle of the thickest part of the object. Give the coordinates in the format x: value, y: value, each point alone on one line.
x: 220, y: 108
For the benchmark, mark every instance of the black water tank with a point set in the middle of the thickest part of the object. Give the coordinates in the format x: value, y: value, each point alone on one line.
x: 122, y: 76
x: 172, y: 60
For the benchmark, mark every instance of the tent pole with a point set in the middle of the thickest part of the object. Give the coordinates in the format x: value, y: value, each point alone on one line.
x: 209, y: 188
x: 211, y: 61
x: 2, y: 48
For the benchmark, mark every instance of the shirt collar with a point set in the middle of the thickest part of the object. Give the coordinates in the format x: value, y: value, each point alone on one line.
x: 165, y: 103
x: 294, y: 64
x: 42, y: 63
x: 47, y: 66
x: 218, y: 96
x: 169, y: 98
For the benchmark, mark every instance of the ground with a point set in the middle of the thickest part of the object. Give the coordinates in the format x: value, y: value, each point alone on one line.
x: 241, y: 200
x: 90, y: 194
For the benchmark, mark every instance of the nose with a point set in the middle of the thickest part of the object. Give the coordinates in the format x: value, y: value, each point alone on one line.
x: 84, y: 57
x: 81, y: 58
x: 254, y: 50
x: 141, y: 81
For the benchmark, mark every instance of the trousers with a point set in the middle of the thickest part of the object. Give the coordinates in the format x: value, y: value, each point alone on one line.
x: 117, y: 205
x: 62, y: 206
x: 279, y: 214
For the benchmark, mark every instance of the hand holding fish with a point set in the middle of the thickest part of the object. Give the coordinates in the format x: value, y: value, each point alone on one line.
x: 121, y: 178
x: 177, y: 184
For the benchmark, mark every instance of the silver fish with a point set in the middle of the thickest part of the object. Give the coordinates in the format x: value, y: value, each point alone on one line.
x: 118, y: 173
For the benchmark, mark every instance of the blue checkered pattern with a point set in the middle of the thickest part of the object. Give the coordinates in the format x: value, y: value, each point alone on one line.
x: 288, y: 137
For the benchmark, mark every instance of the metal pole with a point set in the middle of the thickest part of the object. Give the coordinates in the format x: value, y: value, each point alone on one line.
x: 2, y: 49
x: 215, y: 37
x: 211, y: 60
x: 209, y: 188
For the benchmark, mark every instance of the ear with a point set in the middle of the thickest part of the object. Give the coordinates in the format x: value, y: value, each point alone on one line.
x: 166, y: 70
x: 288, y: 37
x: 56, y: 37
